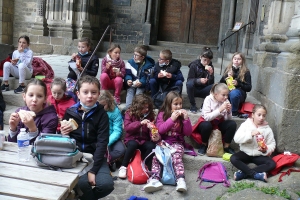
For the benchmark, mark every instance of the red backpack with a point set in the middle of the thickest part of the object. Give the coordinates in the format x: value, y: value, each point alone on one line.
x: 135, y: 172
x: 282, y: 160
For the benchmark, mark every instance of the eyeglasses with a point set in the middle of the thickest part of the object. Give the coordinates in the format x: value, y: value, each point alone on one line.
x: 137, y: 55
x: 160, y: 59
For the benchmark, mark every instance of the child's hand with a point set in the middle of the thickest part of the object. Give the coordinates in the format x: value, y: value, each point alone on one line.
x: 14, y: 119
x: 203, y: 80
x: 230, y: 74
x: 210, y: 70
x: 234, y: 82
x: 74, y: 56
x: 168, y: 75
x: 14, y: 61
x: 65, y: 129
x: 160, y: 75
x: 263, y: 150
x: 184, y: 114
x: 108, y: 65
x: 155, y: 137
x: 20, y: 49
x: 175, y: 114
x: 255, y: 132
x: 223, y: 106
x: 92, y: 178
x: 145, y: 121
x: 129, y: 83
x: 28, y: 120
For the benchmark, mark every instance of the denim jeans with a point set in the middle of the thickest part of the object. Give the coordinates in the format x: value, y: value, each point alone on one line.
x: 235, y: 98
x: 154, y: 85
x: 104, y: 184
x: 131, y: 92
x: 196, y: 91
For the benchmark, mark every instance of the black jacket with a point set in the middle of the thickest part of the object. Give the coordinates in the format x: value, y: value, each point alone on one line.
x: 92, y: 68
x: 197, y: 71
x: 92, y: 135
x: 173, y: 67
x: 245, y: 86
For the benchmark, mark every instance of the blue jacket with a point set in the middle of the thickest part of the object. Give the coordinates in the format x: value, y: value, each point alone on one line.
x: 115, y: 125
x: 131, y: 70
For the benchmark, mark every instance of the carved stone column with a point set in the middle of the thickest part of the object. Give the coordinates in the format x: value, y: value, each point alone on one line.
x: 39, y: 26
x: 83, y: 25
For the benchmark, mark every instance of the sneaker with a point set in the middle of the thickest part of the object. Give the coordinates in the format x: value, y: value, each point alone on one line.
x: 229, y: 150
x: 20, y: 89
x: 4, y: 87
x: 122, y: 172
x: 193, y: 109
x: 181, y: 185
x: 261, y: 176
x: 153, y: 185
x: 202, y: 150
x: 239, y: 175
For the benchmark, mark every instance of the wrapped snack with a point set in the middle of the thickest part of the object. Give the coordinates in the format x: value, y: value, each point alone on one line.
x: 261, y: 141
x: 116, y: 70
x: 207, y: 67
x: 135, y: 82
x: 163, y: 72
x: 78, y: 61
x: 229, y: 80
x: 154, y: 130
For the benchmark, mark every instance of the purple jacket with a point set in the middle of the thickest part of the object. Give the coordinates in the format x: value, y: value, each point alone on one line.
x: 134, y: 130
x: 46, y: 121
x: 170, y: 131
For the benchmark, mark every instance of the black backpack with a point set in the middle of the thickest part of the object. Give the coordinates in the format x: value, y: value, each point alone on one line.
x: 160, y: 96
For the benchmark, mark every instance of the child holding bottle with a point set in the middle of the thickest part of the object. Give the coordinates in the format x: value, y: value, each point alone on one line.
x: 216, y: 114
x: 45, y: 120
x: 138, y: 135
x: 19, y: 66
x: 173, y: 124
x: 116, y: 147
x: 59, y: 99
x: 238, y: 70
x: 252, y: 151
x: 113, y: 71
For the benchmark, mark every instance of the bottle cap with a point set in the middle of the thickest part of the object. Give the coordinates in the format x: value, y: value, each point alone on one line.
x: 23, y: 129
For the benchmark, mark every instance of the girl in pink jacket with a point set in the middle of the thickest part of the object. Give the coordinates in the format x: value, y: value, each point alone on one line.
x: 173, y: 124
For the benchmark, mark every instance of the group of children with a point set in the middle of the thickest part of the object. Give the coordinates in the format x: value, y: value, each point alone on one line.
x: 101, y: 125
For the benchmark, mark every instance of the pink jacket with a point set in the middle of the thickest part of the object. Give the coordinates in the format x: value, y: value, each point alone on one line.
x: 210, y: 109
x: 171, y: 131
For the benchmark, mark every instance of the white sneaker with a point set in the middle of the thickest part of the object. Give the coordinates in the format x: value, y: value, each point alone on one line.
x: 181, y: 185
x: 122, y: 172
x: 153, y: 185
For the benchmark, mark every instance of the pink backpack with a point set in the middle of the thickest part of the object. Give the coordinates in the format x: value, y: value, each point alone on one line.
x: 214, y: 172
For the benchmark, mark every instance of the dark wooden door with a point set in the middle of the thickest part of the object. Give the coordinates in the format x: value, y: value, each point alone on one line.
x: 190, y: 21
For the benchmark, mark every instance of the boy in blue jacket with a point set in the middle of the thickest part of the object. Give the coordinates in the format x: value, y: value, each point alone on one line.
x: 137, y: 70
x: 92, y: 136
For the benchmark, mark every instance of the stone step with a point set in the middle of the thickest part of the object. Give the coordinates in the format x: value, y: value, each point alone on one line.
x: 13, y: 99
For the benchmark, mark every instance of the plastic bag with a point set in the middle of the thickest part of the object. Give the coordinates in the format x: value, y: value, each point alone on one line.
x: 215, y: 144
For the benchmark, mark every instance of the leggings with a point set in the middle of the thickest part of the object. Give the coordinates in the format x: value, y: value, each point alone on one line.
x: 227, y: 128
x: 176, y: 162
x: 241, y: 159
x: 145, y: 148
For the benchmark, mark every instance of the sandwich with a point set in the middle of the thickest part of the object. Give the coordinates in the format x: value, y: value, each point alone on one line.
x: 22, y: 114
x: 71, y: 122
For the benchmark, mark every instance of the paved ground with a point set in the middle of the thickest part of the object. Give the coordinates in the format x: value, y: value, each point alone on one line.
x: 124, y: 189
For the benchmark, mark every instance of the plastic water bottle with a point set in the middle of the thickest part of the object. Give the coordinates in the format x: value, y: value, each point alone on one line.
x: 23, y: 145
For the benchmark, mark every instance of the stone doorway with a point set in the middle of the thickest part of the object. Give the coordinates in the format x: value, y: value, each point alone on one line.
x: 190, y: 21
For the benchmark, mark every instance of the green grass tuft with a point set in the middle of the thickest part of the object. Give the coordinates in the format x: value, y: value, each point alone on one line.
x: 240, y: 186
x: 275, y: 191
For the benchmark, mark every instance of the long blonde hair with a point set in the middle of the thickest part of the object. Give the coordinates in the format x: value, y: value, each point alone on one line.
x: 243, y: 68
x: 108, y: 98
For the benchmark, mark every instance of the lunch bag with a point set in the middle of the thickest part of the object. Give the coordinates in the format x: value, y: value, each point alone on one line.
x: 214, y: 172
x: 135, y: 172
x: 55, y: 151
x: 160, y: 96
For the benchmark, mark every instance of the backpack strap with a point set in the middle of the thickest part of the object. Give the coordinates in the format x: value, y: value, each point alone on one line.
x: 288, y: 172
x: 222, y: 169
x: 201, y: 170
x: 144, y: 163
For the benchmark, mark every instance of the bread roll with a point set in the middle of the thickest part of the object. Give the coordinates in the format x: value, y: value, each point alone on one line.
x: 22, y: 114
x: 71, y: 122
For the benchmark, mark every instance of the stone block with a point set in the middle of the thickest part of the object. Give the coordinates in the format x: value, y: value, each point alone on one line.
x: 57, y: 41
x: 42, y: 48
x: 34, y: 39
x: 59, y: 49
x: 44, y: 39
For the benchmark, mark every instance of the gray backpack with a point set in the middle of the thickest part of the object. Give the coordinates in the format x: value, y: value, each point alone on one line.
x: 55, y: 151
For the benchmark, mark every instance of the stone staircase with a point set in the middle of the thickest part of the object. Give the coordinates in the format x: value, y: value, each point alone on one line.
x: 59, y: 65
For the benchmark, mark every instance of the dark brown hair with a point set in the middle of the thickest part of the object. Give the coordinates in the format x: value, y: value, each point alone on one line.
x: 141, y: 50
x: 206, y: 53
x: 167, y: 104
x: 26, y: 38
x: 88, y: 79
x: 87, y: 41
x: 137, y: 106
x: 36, y: 82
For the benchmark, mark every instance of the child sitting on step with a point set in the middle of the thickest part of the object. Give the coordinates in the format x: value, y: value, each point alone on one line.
x: 92, y: 136
x: 138, y: 135
x: 20, y: 65
x: 113, y: 71
x: 173, y: 124
x: 59, y: 99
x: 216, y: 114
x: 45, y: 120
x: 252, y: 151
x: 116, y: 147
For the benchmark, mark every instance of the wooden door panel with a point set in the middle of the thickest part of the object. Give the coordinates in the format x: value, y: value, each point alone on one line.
x: 205, y: 22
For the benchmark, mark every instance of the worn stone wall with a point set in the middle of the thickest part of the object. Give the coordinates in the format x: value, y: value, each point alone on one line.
x: 6, y: 21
